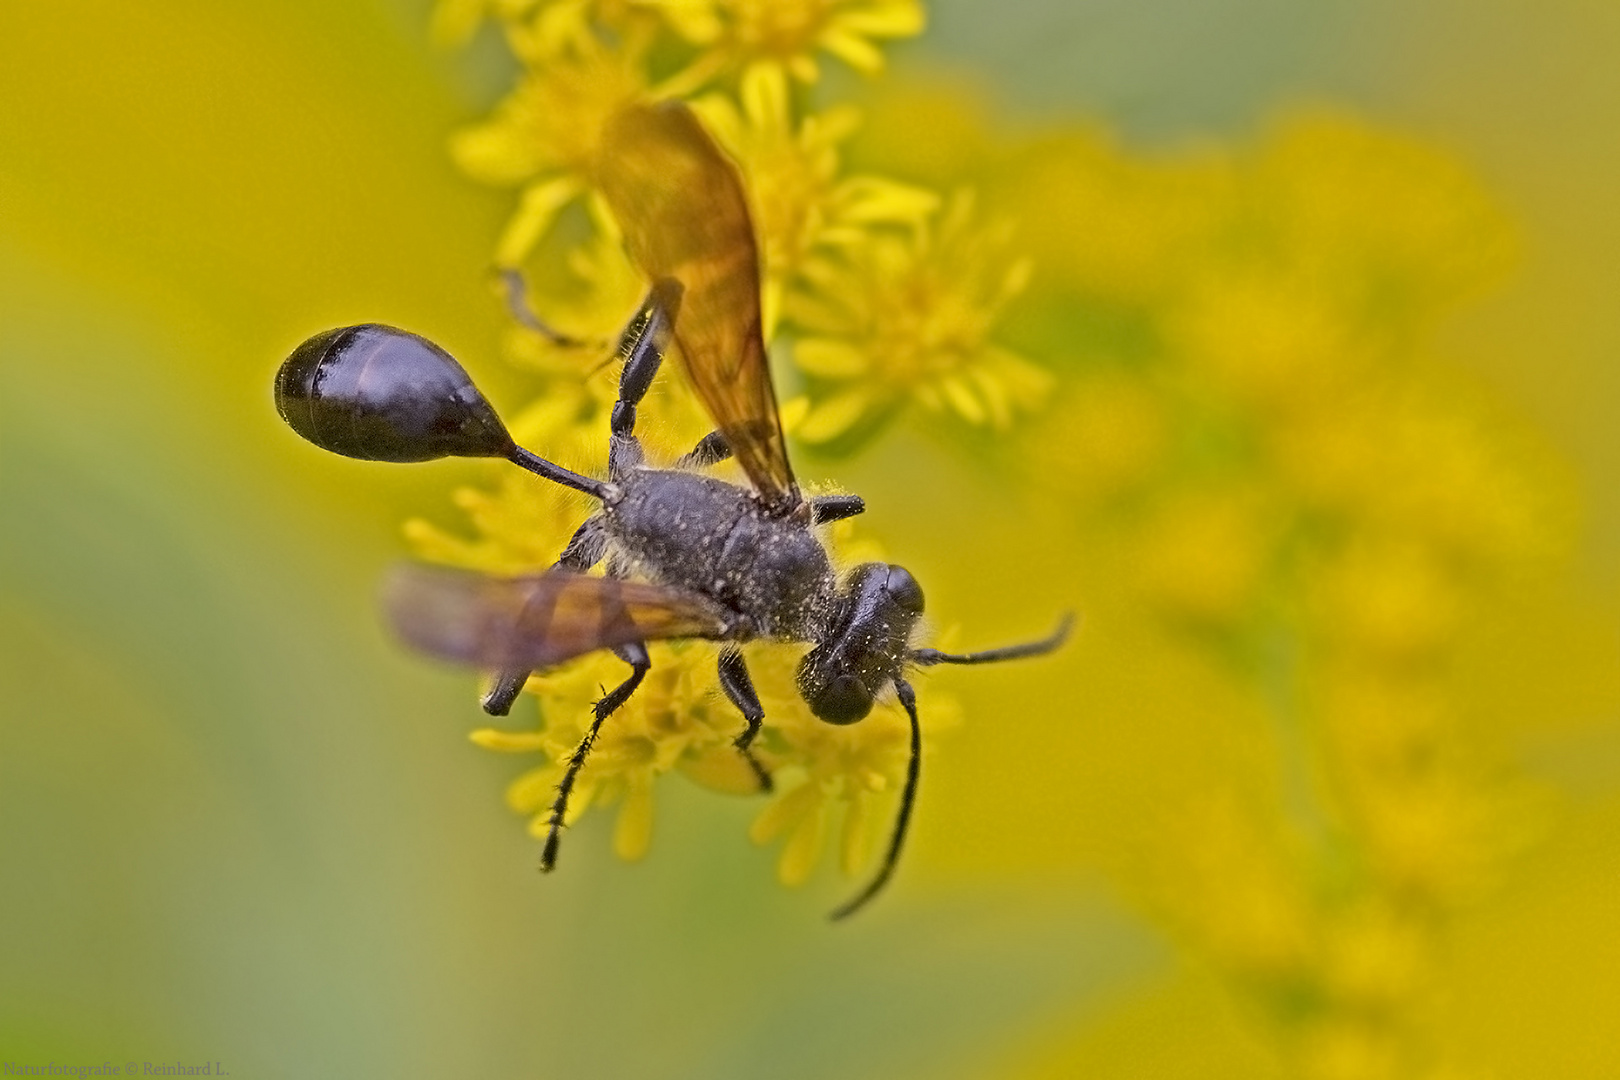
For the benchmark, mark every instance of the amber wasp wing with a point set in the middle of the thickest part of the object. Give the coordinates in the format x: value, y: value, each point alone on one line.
x: 539, y: 620
x: 681, y: 207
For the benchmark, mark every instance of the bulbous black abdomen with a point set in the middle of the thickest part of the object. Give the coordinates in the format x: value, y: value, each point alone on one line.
x: 381, y: 394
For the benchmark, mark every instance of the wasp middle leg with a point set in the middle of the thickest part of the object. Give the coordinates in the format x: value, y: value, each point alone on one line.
x: 584, y: 550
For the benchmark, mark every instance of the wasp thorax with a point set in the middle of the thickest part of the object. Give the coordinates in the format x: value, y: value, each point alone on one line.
x: 381, y: 394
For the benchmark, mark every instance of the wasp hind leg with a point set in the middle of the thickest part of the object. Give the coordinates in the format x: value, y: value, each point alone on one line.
x: 636, y: 656
x: 642, y: 345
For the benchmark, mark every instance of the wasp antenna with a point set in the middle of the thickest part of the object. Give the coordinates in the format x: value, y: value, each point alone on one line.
x: 930, y: 657
x: 908, y: 797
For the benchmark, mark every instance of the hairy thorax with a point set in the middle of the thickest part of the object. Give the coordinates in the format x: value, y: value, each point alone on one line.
x: 701, y: 533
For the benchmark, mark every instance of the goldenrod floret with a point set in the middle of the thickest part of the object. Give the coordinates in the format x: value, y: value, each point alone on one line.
x: 747, y: 36
x: 798, y: 200
x: 545, y: 135
x: 909, y: 315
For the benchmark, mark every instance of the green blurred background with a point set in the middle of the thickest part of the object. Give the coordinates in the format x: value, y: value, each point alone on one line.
x: 238, y: 824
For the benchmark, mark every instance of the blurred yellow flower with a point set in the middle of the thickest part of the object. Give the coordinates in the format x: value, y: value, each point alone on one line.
x: 909, y: 316
x: 544, y: 136
x: 1311, y: 500
x: 748, y: 35
x: 798, y: 199
x: 1116, y: 429
x: 1206, y: 553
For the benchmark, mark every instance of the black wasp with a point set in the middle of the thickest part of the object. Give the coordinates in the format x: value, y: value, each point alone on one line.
x: 686, y: 555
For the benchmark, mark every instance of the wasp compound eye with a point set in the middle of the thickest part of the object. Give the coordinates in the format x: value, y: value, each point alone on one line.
x: 380, y: 394
x: 904, y: 590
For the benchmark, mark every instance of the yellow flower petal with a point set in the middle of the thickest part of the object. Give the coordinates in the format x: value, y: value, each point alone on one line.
x: 856, y: 845
x: 690, y: 79
x: 632, y: 832
x: 694, y: 20
x: 803, y: 848
x: 962, y: 399
x: 534, y: 790
x: 834, y: 416
x: 785, y: 810
x: 579, y: 801
x: 560, y: 26
x: 723, y: 120
x: 765, y: 98
x: 995, y: 396
x: 495, y: 152
x: 721, y: 768
x: 536, y: 211
x: 1016, y: 280
x: 872, y: 199
x: 833, y: 124
x: 829, y: 359
x: 508, y: 742
x: 435, y: 545
x: 794, y: 410
x: 853, y: 50
x: 896, y: 18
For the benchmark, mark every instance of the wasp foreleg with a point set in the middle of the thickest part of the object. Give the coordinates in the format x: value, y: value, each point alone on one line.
x: 712, y: 449
x: 739, y: 689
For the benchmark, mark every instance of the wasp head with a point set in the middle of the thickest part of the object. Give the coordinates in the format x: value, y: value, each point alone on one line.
x: 867, y: 645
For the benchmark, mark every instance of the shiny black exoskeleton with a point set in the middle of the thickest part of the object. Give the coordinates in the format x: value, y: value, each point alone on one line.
x: 377, y: 393
x: 380, y: 394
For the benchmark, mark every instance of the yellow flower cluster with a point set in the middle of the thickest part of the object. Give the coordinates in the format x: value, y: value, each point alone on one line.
x: 1305, y: 494
x: 932, y: 279
x: 1243, y: 410
x: 935, y: 283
